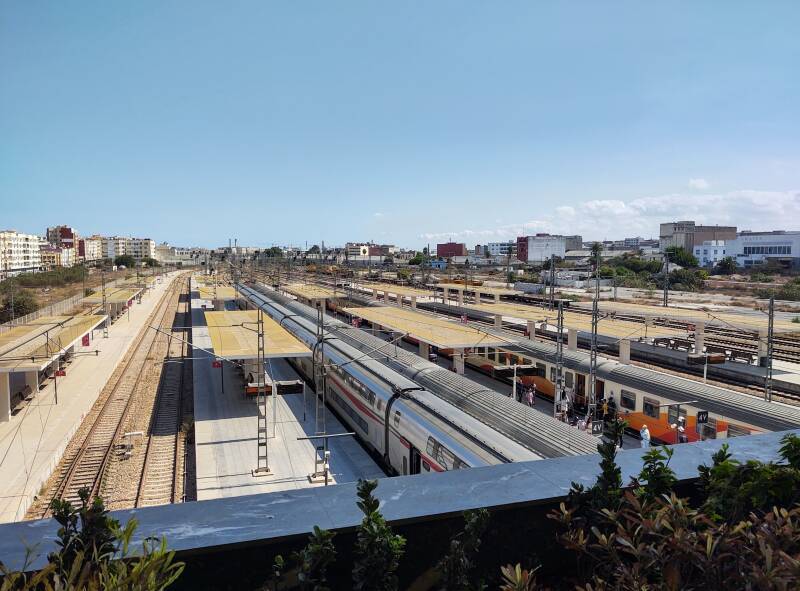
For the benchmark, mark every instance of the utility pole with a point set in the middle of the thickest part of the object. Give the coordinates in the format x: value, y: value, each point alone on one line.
x: 666, y: 279
x: 262, y: 460
x: 559, y: 394
x: 552, y: 279
x: 593, y: 365
x: 770, y: 333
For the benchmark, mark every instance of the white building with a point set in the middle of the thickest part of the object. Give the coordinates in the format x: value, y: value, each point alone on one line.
x: 355, y: 249
x: 541, y: 248
x: 90, y: 249
x: 756, y: 248
x: 710, y: 253
x: 500, y: 249
x: 112, y: 246
x: 140, y: 248
x: 19, y: 253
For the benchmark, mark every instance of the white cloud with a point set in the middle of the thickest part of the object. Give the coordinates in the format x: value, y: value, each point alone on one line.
x: 377, y: 215
x: 699, y: 184
x: 615, y: 219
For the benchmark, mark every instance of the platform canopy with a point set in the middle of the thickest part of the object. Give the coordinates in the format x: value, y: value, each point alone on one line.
x: 217, y: 293
x: 583, y: 322
x: 312, y: 292
x: 396, y: 289
x: 477, y: 288
x: 34, y: 345
x: 754, y: 320
x: 439, y: 332
x: 113, y: 296
x: 234, y: 335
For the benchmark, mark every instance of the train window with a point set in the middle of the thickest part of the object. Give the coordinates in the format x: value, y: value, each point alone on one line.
x: 709, y: 430
x: 426, y: 466
x: 737, y: 431
x: 553, y: 374
x: 380, y: 404
x: 396, y: 418
x: 458, y: 464
x: 568, y: 379
x: 650, y: 407
x: 541, y: 369
x: 432, y: 445
x: 627, y: 400
x: 371, y: 397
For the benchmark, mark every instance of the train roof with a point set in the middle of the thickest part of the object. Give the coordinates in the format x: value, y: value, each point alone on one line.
x: 497, y: 415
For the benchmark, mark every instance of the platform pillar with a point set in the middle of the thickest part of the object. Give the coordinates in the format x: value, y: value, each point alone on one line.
x: 458, y: 361
x: 32, y: 380
x: 414, y: 302
x: 5, y: 397
x: 398, y: 300
x: 497, y: 298
x: 531, y: 329
x: 625, y: 351
x: 374, y: 294
x: 498, y: 321
x: 572, y: 339
x: 497, y: 355
x: 424, y: 350
x: 460, y: 297
x: 699, y: 337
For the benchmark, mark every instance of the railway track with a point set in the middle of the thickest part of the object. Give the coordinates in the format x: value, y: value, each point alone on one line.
x: 160, y: 482
x: 85, y: 464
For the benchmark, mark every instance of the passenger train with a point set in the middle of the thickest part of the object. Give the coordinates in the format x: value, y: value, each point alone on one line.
x: 642, y: 396
x: 409, y: 428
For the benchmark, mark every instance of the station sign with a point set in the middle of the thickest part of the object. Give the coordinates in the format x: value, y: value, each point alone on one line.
x: 85, y: 340
x: 597, y: 427
x: 61, y: 373
x: 702, y: 417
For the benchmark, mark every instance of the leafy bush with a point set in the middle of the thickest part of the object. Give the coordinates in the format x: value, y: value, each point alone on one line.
x: 125, y: 260
x: 58, y: 277
x: 378, y: 550
x: 94, y: 553
x: 24, y: 303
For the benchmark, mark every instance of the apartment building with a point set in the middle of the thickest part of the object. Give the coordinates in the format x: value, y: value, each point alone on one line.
x: 140, y: 248
x: 19, y: 253
x: 90, y: 249
x: 63, y: 236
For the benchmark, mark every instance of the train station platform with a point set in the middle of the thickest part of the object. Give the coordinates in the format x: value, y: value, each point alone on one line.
x: 310, y: 293
x: 226, y: 419
x: 34, y: 439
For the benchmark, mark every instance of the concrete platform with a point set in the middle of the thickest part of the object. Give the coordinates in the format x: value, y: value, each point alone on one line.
x: 226, y: 433
x: 33, y: 441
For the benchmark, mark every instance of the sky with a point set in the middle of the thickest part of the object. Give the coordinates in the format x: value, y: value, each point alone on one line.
x: 194, y: 122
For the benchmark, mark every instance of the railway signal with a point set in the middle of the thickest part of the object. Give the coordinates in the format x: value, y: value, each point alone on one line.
x: 702, y: 417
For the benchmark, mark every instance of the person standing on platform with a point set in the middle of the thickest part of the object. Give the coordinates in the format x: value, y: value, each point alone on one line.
x: 529, y: 396
x: 644, y: 433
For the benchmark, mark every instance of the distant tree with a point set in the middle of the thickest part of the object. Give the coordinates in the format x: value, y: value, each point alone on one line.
x: 726, y: 266
x: 274, y: 252
x: 682, y: 257
x: 416, y: 260
x: 595, y: 258
x: 314, y: 250
x: 150, y: 262
x: 24, y: 302
x: 125, y: 259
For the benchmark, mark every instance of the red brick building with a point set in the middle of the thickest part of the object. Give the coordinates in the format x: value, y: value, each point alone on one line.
x: 451, y: 249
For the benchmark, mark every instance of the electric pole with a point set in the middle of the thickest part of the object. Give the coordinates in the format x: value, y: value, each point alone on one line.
x: 559, y: 394
x: 552, y: 279
x: 593, y: 365
x: 666, y: 279
x: 770, y: 332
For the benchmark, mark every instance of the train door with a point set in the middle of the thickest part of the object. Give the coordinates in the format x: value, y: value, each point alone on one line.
x: 405, y: 465
x: 415, y: 461
x: 580, y: 384
x: 601, y: 389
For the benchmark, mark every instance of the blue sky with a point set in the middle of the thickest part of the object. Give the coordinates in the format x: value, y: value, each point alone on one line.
x: 400, y: 122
